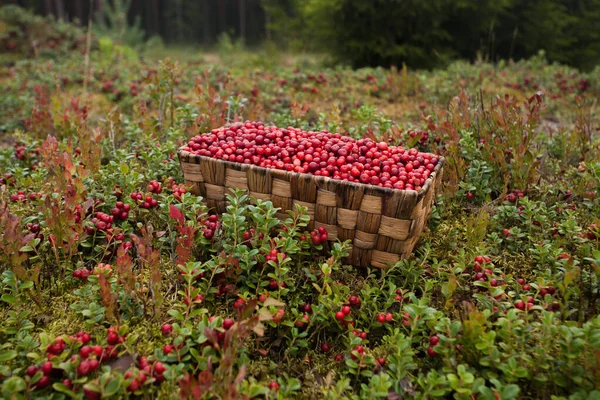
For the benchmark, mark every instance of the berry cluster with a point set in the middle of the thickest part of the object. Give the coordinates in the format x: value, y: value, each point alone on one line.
x: 383, y: 318
x: 121, y: 211
x: 482, y: 267
x: 78, y: 213
x: 154, y: 187
x: 319, y: 235
x: 514, y: 196
x: 33, y: 228
x: 178, y: 191
x: 274, y: 255
x: 20, y: 196
x: 343, y: 315
x: 102, y: 222
x: 85, y: 362
x: 360, y: 334
x: 20, y: 151
x: 433, y: 341
x: 7, y: 179
x: 317, y: 153
x: 81, y: 273
x: 422, y: 135
x: 211, y: 224
x: 147, y: 202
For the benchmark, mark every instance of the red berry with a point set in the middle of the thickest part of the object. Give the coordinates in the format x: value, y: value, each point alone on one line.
x: 133, y: 386
x: 90, y: 394
x: 85, y: 338
x: 97, y: 349
x: 112, y: 338
x: 159, y: 368
x: 168, y: 348
x: 85, y: 352
x: 354, y: 301
x: 434, y: 340
x: 31, y: 370
x: 431, y: 352
x: 228, y: 323
x: 47, y: 368
x: 346, y: 310
x: 83, y: 368
x: 307, y: 308
x: 274, y: 386
x: 44, y: 382
x: 325, y: 347
x: 166, y: 329
x: 340, y: 315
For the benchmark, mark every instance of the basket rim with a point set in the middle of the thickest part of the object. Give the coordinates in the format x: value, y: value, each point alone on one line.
x: 377, y: 189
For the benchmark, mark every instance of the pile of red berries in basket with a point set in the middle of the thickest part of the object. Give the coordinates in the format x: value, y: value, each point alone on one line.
x: 317, y: 153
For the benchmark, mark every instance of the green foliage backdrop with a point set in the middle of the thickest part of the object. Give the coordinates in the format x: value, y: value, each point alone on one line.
x: 430, y: 33
x: 421, y: 34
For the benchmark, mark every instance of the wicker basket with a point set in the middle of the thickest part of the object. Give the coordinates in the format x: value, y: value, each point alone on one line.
x: 383, y: 224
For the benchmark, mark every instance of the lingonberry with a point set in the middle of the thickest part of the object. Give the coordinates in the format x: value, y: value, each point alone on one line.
x: 166, y: 329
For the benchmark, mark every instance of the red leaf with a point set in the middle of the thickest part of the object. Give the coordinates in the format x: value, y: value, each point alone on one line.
x: 176, y: 214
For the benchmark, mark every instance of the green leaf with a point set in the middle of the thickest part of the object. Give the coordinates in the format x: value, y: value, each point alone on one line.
x: 510, y: 392
x: 437, y: 392
x: 195, y: 353
x: 14, y: 384
x: 111, y: 388
x: 59, y: 387
x: 176, y: 314
x: 8, y: 298
x: 26, y: 285
x: 124, y: 168
x: 453, y: 380
x: 7, y: 355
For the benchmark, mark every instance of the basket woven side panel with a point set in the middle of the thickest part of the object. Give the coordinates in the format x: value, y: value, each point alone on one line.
x: 383, y: 225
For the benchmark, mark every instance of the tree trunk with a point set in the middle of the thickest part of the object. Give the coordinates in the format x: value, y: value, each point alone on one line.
x: 78, y: 11
x: 60, y: 10
x: 243, y: 20
x: 222, y: 22
x: 206, y: 24
x: 156, y: 15
x: 179, y: 20
x: 267, y: 26
x: 48, y: 7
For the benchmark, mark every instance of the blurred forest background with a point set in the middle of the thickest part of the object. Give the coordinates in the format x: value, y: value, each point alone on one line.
x: 420, y: 34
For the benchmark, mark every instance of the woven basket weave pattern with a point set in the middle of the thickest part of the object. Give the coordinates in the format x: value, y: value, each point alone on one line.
x: 382, y: 224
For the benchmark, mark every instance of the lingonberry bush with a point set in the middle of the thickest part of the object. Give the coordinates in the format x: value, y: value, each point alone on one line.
x: 117, y: 280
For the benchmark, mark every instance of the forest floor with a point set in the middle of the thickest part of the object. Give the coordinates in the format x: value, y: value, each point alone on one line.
x: 499, y: 300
